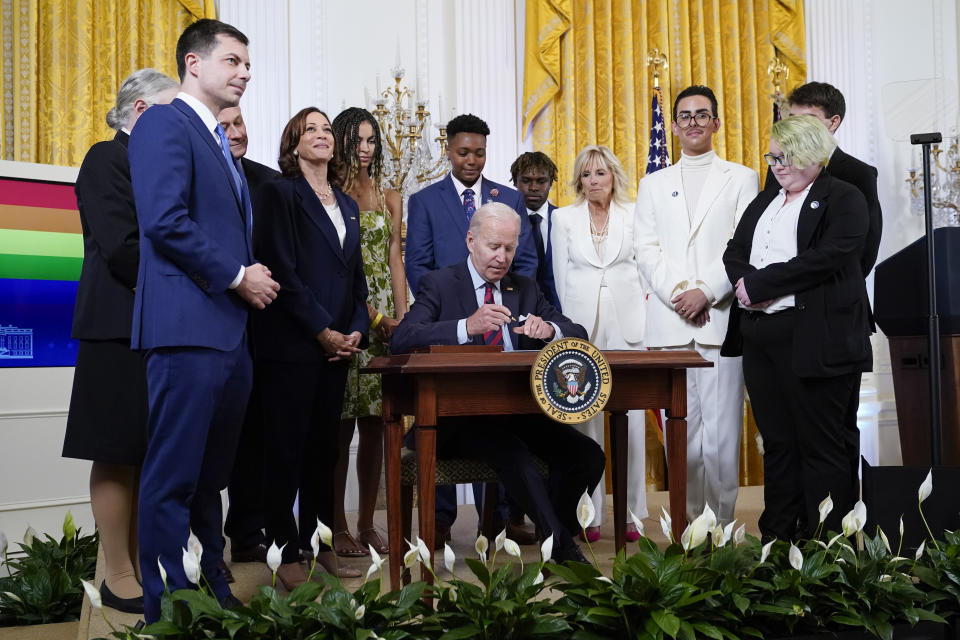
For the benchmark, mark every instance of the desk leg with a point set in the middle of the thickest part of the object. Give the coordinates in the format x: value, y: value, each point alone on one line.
x: 677, y: 452
x: 618, y: 453
x: 393, y: 436
x: 426, y: 488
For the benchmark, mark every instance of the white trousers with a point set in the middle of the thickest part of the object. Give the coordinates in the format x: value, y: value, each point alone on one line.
x: 606, y: 334
x: 714, y: 427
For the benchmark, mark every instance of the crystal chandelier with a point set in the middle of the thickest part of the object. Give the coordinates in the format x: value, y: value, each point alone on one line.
x: 411, y: 159
x: 944, y: 186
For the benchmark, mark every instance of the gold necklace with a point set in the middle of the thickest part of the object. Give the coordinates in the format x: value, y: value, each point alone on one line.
x: 323, y: 194
x: 600, y: 231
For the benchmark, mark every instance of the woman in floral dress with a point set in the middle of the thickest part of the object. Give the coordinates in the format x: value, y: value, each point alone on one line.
x: 381, y: 214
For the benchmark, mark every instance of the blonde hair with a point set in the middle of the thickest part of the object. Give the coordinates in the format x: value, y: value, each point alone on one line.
x: 804, y: 140
x: 604, y: 159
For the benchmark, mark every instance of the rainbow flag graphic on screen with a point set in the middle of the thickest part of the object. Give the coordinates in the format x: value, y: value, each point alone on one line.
x: 41, y: 251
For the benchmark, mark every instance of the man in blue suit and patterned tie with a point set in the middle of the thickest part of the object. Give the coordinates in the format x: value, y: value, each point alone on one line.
x: 438, y: 215
x: 196, y: 283
x: 533, y: 173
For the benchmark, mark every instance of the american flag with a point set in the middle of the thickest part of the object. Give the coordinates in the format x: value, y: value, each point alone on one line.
x: 776, y: 110
x: 658, y: 157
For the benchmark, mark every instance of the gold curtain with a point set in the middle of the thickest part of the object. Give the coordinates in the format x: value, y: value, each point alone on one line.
x: 62, y: 61
x: 586, y: 81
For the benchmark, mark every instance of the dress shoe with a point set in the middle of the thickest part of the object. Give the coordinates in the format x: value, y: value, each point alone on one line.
x: 231, y: 601
x: 255, y: 553
x: 569, y: 554
x: 520, y: 534
x: 127, y: 605
x: 227, y: 574
x: 291, y: 575
x: 441, y: 535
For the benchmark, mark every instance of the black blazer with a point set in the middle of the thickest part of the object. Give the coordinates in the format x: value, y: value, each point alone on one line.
x: 447, y: 295
x: 111, y: 243
x: 257, y: 174
x: 864, y: 177
x: 832, y: 335
x: 321, y: 285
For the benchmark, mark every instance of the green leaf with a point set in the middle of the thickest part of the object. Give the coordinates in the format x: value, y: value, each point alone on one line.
x: 708, y: 630
x: 667, y: 621
x: 468, y: 631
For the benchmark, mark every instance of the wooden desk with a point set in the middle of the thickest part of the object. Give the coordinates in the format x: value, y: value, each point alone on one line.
x: 430, y: 386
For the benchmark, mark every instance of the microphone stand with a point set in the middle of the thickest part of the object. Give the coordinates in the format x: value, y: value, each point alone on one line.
x: 936, y: 453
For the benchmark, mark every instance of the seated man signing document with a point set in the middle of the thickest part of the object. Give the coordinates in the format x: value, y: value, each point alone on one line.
x: 478, y: 302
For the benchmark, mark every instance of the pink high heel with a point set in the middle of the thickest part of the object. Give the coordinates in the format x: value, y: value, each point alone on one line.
x: 593, y: 534
x: 632, y: 535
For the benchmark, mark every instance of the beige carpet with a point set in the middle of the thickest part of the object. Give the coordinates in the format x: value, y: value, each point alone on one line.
x: 250, y: 576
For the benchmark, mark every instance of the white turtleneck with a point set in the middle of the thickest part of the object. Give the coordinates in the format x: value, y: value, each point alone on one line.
x: 693, y: 172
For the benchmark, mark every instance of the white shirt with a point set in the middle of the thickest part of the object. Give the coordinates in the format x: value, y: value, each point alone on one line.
x: 210, y: 122
x: 544, y: 226
x: 775, y: 240
x: 336, y: 217
x: 479, y: 286
x: 476, y: 187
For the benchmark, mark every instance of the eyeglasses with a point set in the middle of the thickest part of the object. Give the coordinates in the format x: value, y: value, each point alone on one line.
x: 702, y: 119
x: 773, y: 160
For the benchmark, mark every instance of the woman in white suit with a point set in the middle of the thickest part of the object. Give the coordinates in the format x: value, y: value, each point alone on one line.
x: 600, y: 287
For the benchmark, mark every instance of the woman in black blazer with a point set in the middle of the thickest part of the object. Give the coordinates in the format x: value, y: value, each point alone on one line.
x: 801, y: 323
x: 107, y: 422
x: 309, y: 233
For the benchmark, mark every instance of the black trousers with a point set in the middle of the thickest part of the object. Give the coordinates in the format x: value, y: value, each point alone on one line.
x: 301, y: 409
x: 508, y: 444
x: 803, y: 424
x: 245, y: 523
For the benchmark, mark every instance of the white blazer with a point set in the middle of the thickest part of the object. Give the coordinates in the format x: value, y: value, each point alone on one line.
x: 676, y: 253
x: 578, y: 272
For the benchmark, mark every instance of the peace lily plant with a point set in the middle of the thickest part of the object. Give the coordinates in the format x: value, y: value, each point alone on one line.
x: 715, y: 582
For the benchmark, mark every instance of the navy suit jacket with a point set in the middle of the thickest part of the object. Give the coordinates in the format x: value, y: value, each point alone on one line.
x: 194, y: 234
x: 447, y: 296
x: 111, y: 239
x: 437, y: 229
x: 545, y: 268
x: 321, y: 285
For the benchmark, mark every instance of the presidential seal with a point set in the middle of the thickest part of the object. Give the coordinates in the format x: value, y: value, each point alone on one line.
x: 571, y: 380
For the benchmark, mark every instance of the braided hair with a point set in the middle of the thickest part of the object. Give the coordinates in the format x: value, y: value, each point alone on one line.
x: 346, y: 129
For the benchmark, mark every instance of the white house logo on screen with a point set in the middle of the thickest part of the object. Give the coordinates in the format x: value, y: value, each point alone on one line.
x: 15, y: 343
x: 571, y: 380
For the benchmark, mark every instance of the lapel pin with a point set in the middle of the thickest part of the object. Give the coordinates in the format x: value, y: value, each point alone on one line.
x: 675, y: 194
x: 814, y: 205
x: 494, y: 192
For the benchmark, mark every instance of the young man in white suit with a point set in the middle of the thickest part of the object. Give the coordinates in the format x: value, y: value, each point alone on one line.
x: 685, y: 214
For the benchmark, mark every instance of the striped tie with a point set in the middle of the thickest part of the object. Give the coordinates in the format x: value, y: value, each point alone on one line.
x: 494, y: 336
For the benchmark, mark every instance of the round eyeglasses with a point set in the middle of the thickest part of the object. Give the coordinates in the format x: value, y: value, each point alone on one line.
x: 702, y: 119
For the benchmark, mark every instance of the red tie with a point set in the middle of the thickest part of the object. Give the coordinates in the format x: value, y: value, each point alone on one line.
x: 494, y: 336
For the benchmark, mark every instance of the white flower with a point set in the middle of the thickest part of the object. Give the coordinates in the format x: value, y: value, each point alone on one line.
x: 410, y: 557
x: 795, y: 557
x: 274, y: 556
x: 920, y: 550
x: 326, y: 535
x: 717, y: 536
x: 834, y: 539
x: 194, y: 546
x: 860, y: 513
x: 372, y: 570
x: 605, y: 579
x: 546, y: 549
x: 886, y: 542
x: 448, y: 557
x: 854, y: 520
x: 69, y: 526
x: 885, y: 578
x: 511, y: 547
x: 360, y: 611
x: 28, y: 536
x: 12, y: 596
x: 375, y: 557
x: 765, y: 551
x: 498, y: 541
x: 725, y: 533
x: 191, y: 566
x: 825, y: 508
x: 93, y: 593
x: 481, y: 546
x: 636, y: 521
x: 685, y: 537
x: 926, y: 487
x: 666, y: 523
x: 901, y: 525
x: 539, y: 578
x: 696, y: 533
x: 740, y: 535
x: 163, y: 572
x: 585, y: 511
x: 710, y: 517
x: 315, y: 542
x: 423, y: 552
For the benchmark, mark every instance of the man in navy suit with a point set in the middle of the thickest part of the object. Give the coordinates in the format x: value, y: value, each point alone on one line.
x: 438, y: 215
x: 472, y: 302
x: 533, y: 173
x: 196, y: 283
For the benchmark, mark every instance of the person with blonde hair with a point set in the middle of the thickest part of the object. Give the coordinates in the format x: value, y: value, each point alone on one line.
x: 599, y: 286
x: 801, y: 324
x: 107, y: 422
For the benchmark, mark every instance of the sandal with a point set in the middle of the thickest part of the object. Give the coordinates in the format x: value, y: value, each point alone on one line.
x: 371, y: 537
x: 353, y: 551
